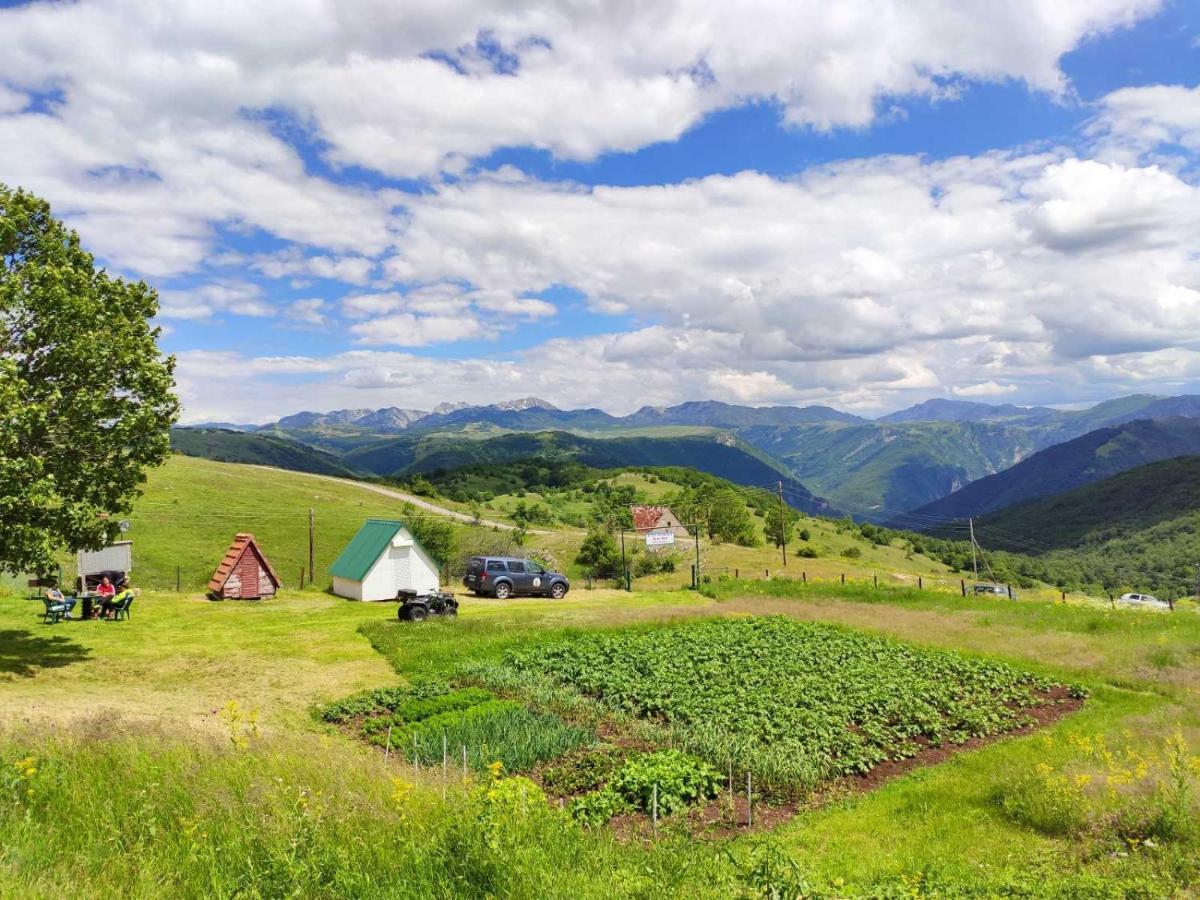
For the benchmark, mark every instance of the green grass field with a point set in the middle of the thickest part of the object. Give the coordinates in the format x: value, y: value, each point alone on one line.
x: 182, y: 743
x: 179, y: 753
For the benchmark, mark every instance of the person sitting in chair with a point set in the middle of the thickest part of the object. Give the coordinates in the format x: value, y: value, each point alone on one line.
x: 108, y: 609
x: 106, y: 591
x: 54, y: 595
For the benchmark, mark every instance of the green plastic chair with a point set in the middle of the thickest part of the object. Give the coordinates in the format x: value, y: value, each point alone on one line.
x: 55, y: 610
x: 122, y: 611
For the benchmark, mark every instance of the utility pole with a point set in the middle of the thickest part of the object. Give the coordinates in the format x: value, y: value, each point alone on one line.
x: 624, y: 568
x: 782, y: 524
x: 974, y: 560
x: 311, y: 545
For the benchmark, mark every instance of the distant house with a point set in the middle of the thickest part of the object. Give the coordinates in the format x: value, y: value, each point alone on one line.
x: 244, y: 573
x: 657, y: 519
x: 383, y: 558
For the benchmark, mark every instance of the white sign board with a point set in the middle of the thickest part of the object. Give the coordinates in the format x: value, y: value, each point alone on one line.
x: 660, y: 538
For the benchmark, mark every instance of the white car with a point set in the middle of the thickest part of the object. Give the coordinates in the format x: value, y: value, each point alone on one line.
x: 1143, y: 599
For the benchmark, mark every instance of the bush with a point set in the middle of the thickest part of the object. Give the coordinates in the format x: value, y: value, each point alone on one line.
x: 852, y: 553
x: 599, y: 554
x: 804, y: 534
x: 807, y: 553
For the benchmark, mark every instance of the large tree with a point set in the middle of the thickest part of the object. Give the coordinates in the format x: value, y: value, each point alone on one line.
x: 86, y: 397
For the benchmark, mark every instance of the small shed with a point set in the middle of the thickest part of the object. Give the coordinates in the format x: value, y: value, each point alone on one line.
x: 244, y: 573
x: 383, y: 558
x: 114, y: 561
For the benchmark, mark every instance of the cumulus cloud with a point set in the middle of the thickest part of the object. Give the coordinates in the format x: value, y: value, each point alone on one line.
x: 1137, y: 119
x: 168, y: 133
x: 846, y: 260
x: 985, y: 389
x: 167, y: 120
x: 236, y: 297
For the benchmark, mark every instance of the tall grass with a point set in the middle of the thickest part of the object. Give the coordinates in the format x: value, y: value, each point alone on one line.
x: 149, y: 816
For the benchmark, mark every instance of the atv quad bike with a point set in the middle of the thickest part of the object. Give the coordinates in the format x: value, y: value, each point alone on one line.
x: 414, y: 608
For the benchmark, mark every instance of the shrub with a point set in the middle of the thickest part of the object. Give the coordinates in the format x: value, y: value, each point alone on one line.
x: 852, y: 553
x: 807, y: 553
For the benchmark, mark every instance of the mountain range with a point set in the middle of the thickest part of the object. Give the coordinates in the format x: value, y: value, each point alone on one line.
x: 874, y: 469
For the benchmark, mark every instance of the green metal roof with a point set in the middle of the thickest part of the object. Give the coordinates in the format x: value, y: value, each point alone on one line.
x: 362, y: 552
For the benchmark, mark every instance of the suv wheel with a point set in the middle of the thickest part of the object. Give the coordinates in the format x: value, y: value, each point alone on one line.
x: 502, y: 590
x: 558, y: 590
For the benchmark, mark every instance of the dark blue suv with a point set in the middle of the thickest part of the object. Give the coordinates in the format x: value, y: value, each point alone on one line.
x: 508, y: 576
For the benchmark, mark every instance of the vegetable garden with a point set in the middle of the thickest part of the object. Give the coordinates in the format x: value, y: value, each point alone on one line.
x: 786, y: 705
x: 796, y: 704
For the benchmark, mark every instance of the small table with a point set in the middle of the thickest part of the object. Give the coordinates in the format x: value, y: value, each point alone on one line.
x: 86, y: 600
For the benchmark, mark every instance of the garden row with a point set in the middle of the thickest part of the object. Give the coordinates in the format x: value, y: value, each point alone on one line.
x: 792, y: 705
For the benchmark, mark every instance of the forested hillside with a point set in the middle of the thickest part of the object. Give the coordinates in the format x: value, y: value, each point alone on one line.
x: 1094, y: 456
x: 1137, y: 530
x: 256, y: 449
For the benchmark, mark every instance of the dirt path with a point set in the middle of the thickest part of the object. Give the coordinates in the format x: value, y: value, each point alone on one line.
x: 419, y: 502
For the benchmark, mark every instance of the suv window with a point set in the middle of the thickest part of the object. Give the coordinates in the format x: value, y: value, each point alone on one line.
x: 475, y: 565
x: 518, y: 567
x: 535, y: 569
x: 496, y: 566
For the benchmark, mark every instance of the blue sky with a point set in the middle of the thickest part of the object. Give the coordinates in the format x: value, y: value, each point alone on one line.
x: 406, y: 205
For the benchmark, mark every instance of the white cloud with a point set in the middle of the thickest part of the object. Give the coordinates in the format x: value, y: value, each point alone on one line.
x: 162, y: 126
x: 408, y: 330
x: 238, y: 298
x: 847, y: 260
x: 350, y: 269
x: 1137, y: 119
x: 985, y: 389
x: 307, y: 312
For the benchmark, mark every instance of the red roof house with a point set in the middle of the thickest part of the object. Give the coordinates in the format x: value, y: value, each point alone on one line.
x: 656, y: 518
x: 244, y: 573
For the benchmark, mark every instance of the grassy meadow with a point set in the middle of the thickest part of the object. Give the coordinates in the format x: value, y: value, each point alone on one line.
x: 182, y: 747
x: 184, y: 753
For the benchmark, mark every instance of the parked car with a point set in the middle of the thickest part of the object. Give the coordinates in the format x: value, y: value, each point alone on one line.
x: 996, y: 590
x: 1143, y: 600
x: 508, y: 576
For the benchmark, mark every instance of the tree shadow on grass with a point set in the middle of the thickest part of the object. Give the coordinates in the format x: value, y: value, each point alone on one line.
x: 22, y: 653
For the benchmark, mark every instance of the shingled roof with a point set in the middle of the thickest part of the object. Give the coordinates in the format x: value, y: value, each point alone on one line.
x: 241, y: 543
x: 645, y: 517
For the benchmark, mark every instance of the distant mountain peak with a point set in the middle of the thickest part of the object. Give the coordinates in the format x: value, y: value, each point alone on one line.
x: 524, y: 403
x: 443, y: 409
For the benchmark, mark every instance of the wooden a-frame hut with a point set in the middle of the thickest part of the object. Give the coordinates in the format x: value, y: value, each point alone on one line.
x: 244, y: 573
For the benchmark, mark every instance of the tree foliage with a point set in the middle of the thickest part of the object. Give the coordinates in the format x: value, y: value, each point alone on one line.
x: 599, y: 553
x: 86, y: 397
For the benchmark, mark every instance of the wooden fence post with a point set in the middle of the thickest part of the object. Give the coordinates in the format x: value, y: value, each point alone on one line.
x: 920, y: 583
x: 843, y: 578
x: 962, y: 583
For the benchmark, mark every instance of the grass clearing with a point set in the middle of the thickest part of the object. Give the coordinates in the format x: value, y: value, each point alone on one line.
x: 120, y: 720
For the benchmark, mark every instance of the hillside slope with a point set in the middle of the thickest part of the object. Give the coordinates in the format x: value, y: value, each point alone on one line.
x: 1136, y: 530
x: 717, y: 455
x: 223, y: 445
x: 192, y: 508
x: 874, y: 471
x: 1062, y: 467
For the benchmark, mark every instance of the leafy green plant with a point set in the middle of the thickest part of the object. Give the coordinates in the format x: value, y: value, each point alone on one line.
x: 680, y: 780
x: 794, y: 702
x: 598, y: 807
x: 584, y: 771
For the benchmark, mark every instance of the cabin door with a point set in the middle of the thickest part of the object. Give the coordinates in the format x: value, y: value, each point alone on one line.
x: 248, y: 574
